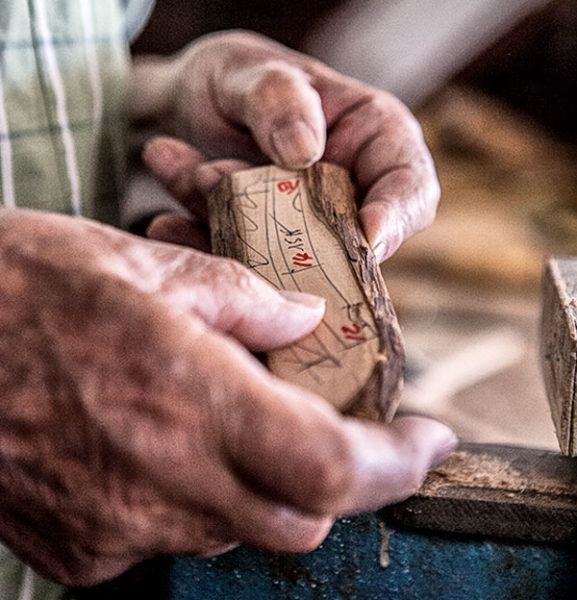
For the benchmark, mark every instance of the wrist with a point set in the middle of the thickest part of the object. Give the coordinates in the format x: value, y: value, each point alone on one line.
x: 153, y: 81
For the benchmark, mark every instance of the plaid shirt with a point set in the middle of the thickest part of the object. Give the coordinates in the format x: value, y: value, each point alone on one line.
x: 62, y: 87
x: 63, y: 67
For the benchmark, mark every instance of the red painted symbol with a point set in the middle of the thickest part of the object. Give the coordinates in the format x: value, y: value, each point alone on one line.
x: 287, y: 187
x: 352, y: 333
x: 301, y: 258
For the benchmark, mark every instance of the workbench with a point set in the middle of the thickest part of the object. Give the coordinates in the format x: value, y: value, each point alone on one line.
x: 491, y: 523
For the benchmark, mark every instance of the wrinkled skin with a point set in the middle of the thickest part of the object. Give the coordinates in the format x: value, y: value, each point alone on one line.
x: 133, y: 418
x: 134, y: 421
x: 240, y: 96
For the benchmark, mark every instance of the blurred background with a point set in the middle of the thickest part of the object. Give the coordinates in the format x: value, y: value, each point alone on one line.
x: 494, y: 85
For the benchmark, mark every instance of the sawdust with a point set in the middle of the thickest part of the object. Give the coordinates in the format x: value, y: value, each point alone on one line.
x: 384, y: 536
x: 486, y: 471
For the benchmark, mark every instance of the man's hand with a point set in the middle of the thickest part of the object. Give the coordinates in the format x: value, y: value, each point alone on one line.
x: 133, y: 422
x: 238, y: 95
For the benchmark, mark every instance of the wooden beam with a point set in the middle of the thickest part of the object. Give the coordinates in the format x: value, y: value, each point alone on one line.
x: 559, y: 347
x: 523, y: 494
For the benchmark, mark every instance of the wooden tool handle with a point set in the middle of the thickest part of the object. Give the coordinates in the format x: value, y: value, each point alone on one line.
x: 299, y: 231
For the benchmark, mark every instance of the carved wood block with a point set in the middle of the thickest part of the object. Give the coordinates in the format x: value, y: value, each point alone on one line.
x: 559, y: 347
x: 299, y: 231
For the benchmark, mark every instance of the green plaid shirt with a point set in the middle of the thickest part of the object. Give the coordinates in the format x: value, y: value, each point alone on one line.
x: 63, y: 67
x: 62, y: 86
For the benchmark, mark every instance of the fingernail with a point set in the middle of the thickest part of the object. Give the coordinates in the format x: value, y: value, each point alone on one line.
x: 445, y: 447
x: 308, y: 300
x: 161, y: 157
x: 380, y: 250
x: 296, y: 145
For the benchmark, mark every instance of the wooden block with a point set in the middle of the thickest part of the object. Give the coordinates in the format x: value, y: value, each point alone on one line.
x: 299, y: 231
x: 525, y: 494
x: 559, y: 347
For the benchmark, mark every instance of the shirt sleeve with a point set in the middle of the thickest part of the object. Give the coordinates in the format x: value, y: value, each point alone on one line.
x: 19, y: 582
x: 137, y: 14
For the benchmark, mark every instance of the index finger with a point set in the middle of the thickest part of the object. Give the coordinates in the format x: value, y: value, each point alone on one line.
x: 375, y: 137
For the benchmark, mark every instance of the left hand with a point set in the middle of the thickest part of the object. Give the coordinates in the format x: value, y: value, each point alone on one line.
x: 241, y: 96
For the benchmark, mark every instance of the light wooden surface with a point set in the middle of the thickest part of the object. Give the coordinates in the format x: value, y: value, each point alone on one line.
x: 299, y: 232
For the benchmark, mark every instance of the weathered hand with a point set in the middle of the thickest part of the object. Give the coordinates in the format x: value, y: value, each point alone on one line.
x: 132, y: 421
x: 239, y: 95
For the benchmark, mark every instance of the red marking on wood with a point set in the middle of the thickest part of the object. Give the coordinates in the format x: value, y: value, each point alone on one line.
x: 287, y: 187
x: 301, y: 258
x: 352, y: 333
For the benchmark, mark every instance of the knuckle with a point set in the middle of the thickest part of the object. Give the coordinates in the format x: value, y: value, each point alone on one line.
x: 293, y: 531
x: 386, y: 107
x: 332, y: 475
x: 311, y: 539
x: 399, y: 111
x: 226, y: 273
x: 85, y: 574
x: 400, y: 123
x: 232, y: 290
x: 78, y: 568
x: 275, y: 74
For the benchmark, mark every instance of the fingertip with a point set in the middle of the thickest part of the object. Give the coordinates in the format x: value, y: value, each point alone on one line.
x: 296, y: 145
x: 175, y: 229
x: 437, y: 438
x: 383, y: 230
x: 164, y: 156
x: 282, y: 323
x: 210, y: 174
x: 391, y: 461
x: 309, y: 300
x: 302, y: 311
x: 283, y: 111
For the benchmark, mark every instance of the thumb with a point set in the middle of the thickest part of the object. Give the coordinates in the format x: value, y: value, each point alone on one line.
x: 281, y: 108
x: 232, y: 299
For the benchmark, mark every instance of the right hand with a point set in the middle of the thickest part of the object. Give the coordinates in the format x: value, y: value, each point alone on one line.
x: 133, y: 422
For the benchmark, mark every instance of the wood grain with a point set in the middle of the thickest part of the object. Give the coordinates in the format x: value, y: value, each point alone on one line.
x: 559, y: 347
x: 299, y: 231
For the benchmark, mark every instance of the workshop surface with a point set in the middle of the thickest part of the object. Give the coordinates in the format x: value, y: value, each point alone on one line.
x: 349, y: 566
x: 491, y: 523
